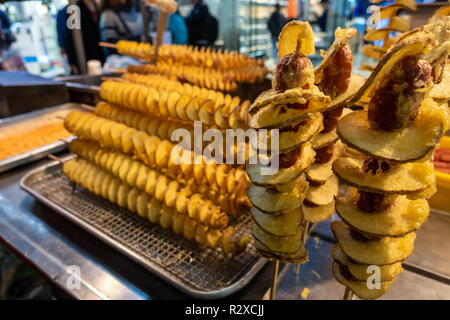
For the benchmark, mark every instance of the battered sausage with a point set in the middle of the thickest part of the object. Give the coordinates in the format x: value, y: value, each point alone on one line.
x: 398, y: 97
x: 336, y: 76
x: 293, y: 71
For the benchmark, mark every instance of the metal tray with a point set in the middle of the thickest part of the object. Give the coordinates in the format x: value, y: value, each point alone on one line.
x: 198, y: 271
x: 41, y: 152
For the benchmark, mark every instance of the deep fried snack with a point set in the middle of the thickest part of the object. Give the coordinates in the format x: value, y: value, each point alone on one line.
x: 147, y: 206
x: 157, y: 153
x: 154, y: 183
x: 169, y: 104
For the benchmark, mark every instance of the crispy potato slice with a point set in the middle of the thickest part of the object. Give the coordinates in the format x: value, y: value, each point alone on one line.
x: 296, y: 35
x: 172, y: 100
x: 373, y: 51
x: 278, y: 224
x: 284, y: 175
x: 268, y: 200
x: 296, y: 95
x: 359, y: 271
x: 301, y: 256
x: 291, y: 139
x: 181, y: 107
x: 206, y: 112
x: 407, y: 178
x: 356, y: 81
x: 324, y: 139
x: 318, y: 213
x: 401, y: 217
x: 286, y: 244
x: 360, y: 288
x: 324, y: 194
x: 132, y: 200
x: 319, y: 173
x: 192, y: 109
x: 414, y: 142
x: 381, y: 251
x: 221, y: 116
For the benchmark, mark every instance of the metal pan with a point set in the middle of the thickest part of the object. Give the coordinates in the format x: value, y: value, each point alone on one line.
x: 41, y: 152
x: 196, y: 270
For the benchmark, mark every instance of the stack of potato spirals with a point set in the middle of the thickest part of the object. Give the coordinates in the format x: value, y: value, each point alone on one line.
x: 392, y: 176
x: 135, y: 170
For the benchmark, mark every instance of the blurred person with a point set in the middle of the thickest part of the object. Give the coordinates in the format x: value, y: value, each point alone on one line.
x: 323, y: 18
x: 89, y: 16
x: 178, y: 28
x: 119, y: 20
x: 275, y: 24
x: 10, y: 59
x: 202, y: 26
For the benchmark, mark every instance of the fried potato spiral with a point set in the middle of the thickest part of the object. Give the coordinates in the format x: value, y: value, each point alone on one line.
x: 157, y: 153
x: 138, y: 175
x: 104, y: 184
x: 205, y: 106
x: 189, y: 55
x: 160, y: 127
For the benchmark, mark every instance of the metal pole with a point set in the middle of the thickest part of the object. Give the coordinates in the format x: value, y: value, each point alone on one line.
x: 348, y: 295
x: 145, y: 21
x: 273, y: 285
x: 77, y: 35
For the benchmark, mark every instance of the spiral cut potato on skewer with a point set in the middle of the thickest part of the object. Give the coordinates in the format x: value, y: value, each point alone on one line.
x: 165, y: 189
x: 189, y: 55
x: 207, y: 107
x: 163, y: 128
x: 223, y: 80
x: 394, y: 177
x: 229, y: 111
x: 202, y: 77
x: 138, y: 175
x: 104, y: 184
x: 157, y: 153
x: 397, y: 25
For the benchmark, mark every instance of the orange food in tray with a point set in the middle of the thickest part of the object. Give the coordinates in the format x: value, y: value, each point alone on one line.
x: 24, y: 139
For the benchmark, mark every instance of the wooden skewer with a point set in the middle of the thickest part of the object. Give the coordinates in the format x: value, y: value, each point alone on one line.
x: 60, y: 117
x: 117, y: 79
x: 273, y: 285
x: 108, y: 45
x: 305, y: 238
x: 348, y: 295
x: 55, y: 158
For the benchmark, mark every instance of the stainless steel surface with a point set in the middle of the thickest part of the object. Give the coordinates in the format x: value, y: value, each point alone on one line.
x: 41, y: 152
x: 316, y: 276
x: 44, y: 240
x: 200, y: 272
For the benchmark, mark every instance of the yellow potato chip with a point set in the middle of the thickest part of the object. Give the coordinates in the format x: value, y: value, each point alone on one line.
x: 296, y: 33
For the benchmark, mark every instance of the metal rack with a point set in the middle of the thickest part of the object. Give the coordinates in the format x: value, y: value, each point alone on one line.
x: 198, y: 271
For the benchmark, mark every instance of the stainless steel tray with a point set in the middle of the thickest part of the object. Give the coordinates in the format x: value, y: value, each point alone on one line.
x: 41, y: 152
x: 198, y: 271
